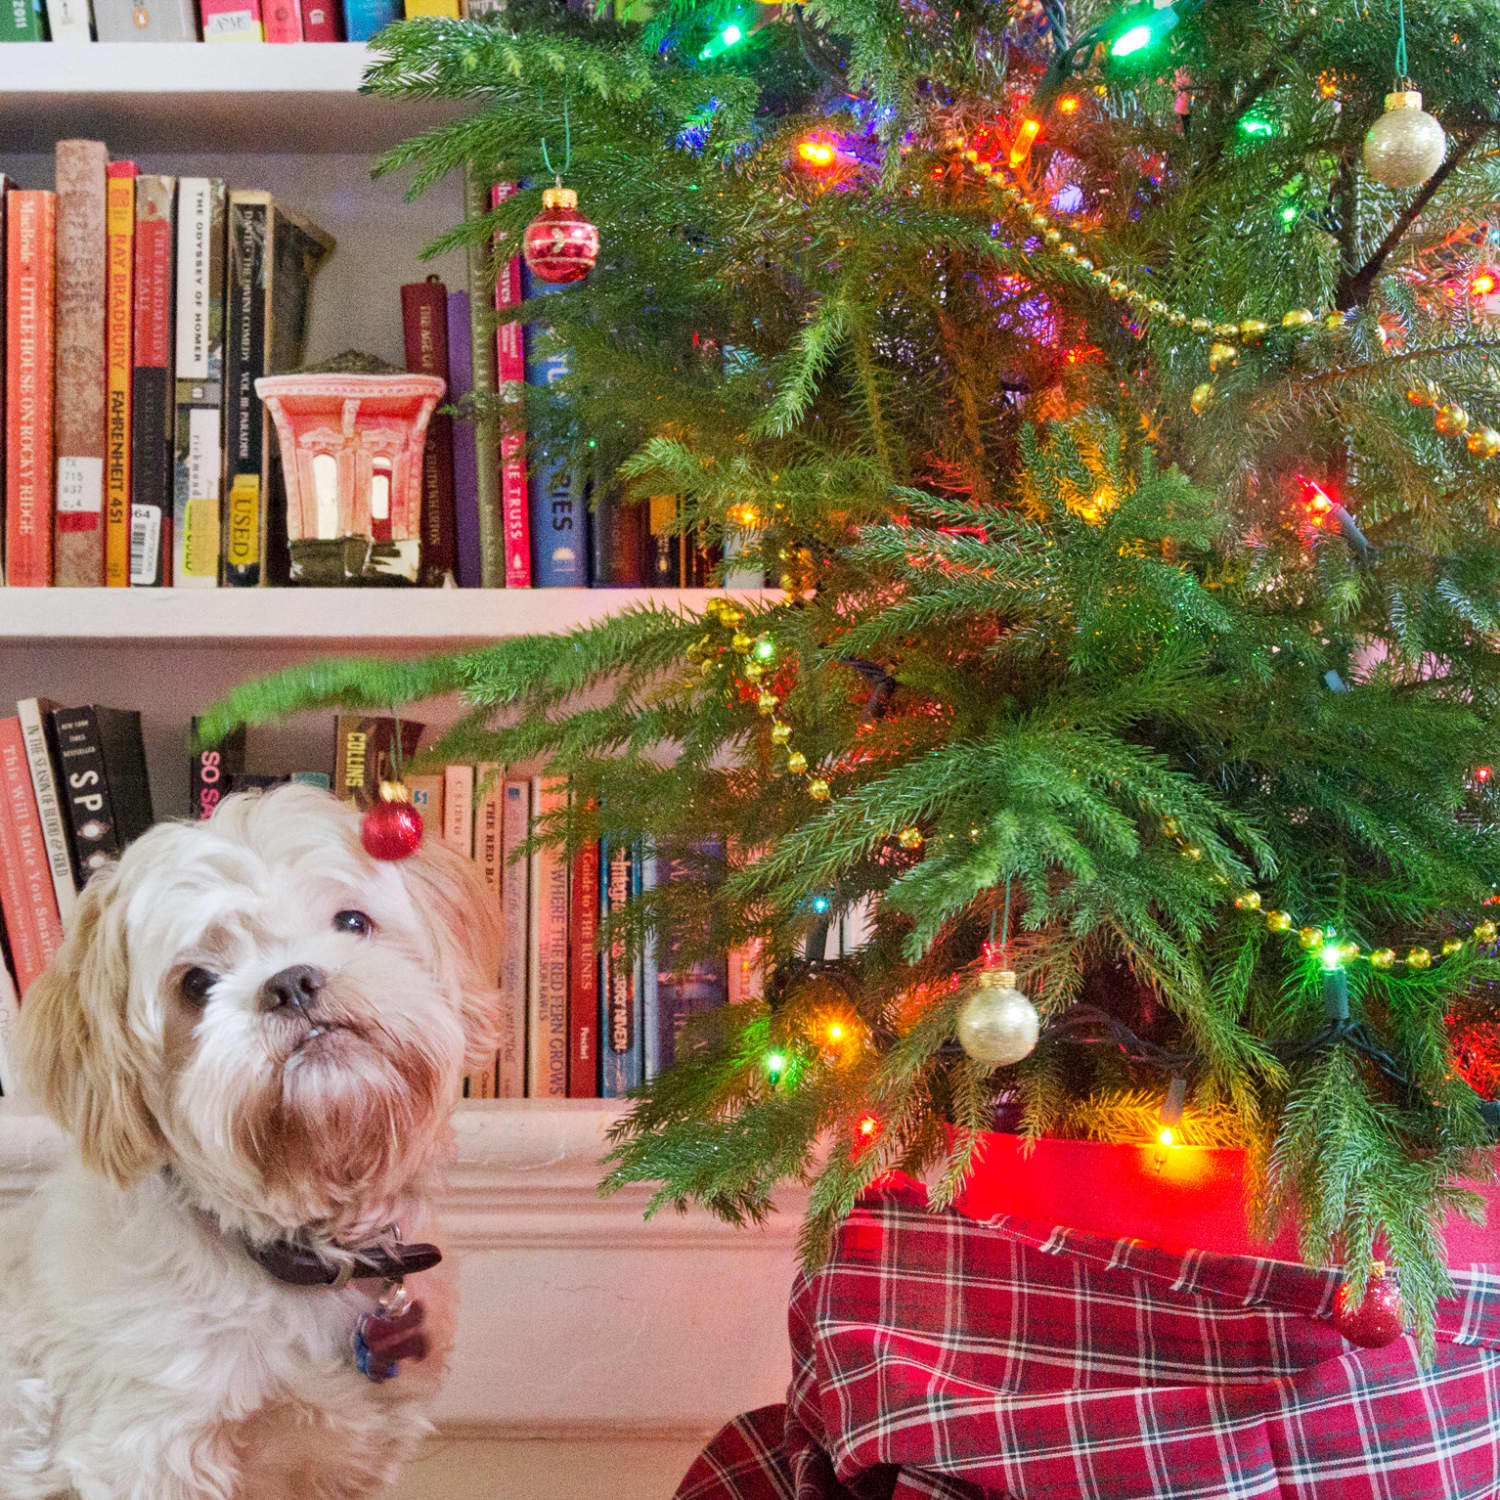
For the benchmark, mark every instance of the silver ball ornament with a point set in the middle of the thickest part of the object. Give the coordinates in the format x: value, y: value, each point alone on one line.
x: 997, y: 1024
x: 1405, y: 146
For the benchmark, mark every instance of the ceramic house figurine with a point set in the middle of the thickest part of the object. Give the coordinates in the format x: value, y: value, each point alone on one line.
x: 351, y: 454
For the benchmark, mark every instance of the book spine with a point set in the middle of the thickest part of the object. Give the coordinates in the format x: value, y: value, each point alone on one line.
x: 365, y: 754
x: 583, y: 977
x: 424, y: 323
x: 427, y: 797
x: 231, y: 20
x: 10, y: 1008
x: 481, y: 349
x: 651, y: 875
x: 210, y: 771
x: 487, y: 800
x: 68, y: 21
x: 547, y: 1023
x: 20, y: 924
x: 467, y: 561
x: 31, y: 714
x: 320, y: 21
x: 458, y: 809
x: 617, y: 540
x: 445, y: 8
x: 283, y: 21
x: 78, y: 558
x: 515, y: 823
x: 151, y: 390
x: 21, y: 21
x: 559, y: 514
x: 119, y: 225
x: 31, y: 845
x: 198, y: 467
x: 246, y: 278
x: 620, y: 1041
x: 510, y: 366
x: 30, y: 301
x: 664, y: 568
x: 92, y: 834
x: 146, y: 20
x: 363, y: 18
x: 125, y: 771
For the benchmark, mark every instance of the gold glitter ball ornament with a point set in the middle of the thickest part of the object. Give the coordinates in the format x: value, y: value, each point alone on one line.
x: 1450, y: 420
x: 1405, y: 146
x: 997, y: 1024
x: 1484, y: 442
x: 1298, y: 317
x: 780, y: 733
x: 818, y: 789
x: 910, y: 838
x: 1484, y: 932
x: 1222, y: 354
x: 796, y: 763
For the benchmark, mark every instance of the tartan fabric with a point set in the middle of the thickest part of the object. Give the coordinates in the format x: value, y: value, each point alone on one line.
x: 938, y: 1358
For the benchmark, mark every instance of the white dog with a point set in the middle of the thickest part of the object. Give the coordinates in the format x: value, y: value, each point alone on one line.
x: 254, y: 1033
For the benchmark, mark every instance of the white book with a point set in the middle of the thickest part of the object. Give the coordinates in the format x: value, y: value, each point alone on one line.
x: 10, y: 1008
x: 458, y: 809
x: 515, y: 960
x: 32, y: 713
x: 68, y: 21
x: 146, y: 20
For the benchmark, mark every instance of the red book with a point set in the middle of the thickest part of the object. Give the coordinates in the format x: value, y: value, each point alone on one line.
x: 152, y: 412
x: 320, y: 21
x: 30, y: 302
x: 283, y: 21
x: 424, y: 323
x: 28, y: 845
x: 583, y: 977
x: 120, y: 239
x: 231, y: 20
x: 20, y: 927
x: 510, y: 364
x: 78, y: 429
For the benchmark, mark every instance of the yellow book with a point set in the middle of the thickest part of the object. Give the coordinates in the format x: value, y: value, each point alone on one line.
x: 447, y: 8
x: 119, y: 230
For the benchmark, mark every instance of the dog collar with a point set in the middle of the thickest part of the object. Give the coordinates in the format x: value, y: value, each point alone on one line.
x: 297, y: 1265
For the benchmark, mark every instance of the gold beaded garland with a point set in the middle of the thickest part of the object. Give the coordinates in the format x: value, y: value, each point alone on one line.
x: 1484, y: 932
x: 910, y: 838
x: 1383, y: 958
x: 1419, y: 958
x: 1311, y: 937
x: 796, y: 763
x: 1278, y: 921
x: 818, y: 789
x: 780, y: 733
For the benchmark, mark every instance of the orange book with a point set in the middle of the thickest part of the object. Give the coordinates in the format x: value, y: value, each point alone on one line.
x: 119, y: 225
x: 30, y: 300
x: 79, y: 436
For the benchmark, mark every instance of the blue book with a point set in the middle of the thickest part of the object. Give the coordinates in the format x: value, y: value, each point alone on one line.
x: 680, y: 990
x: 621, y: 1035
x: 363, y: 18
x: 558, y: 504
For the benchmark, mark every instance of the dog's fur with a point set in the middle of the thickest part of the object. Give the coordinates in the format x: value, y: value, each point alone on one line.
x: 143, y: 1354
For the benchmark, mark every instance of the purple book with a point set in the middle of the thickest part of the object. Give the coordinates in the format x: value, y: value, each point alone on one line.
x: 465, y: 460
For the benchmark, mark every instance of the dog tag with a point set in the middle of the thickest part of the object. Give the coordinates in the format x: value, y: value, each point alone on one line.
x: 388, y: 1335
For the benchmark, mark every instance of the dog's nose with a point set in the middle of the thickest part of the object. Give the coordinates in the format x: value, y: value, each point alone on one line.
x: 293, y: 987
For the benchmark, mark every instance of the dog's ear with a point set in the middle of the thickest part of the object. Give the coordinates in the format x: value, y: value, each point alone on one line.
x: 76, y: 1051
x: 462, y: 919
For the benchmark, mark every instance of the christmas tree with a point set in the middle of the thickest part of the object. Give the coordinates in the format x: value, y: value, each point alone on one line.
x: 1108, y: 392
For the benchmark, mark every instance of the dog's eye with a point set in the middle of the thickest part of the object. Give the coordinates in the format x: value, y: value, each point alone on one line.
x: 196, y: 984
x: 352, y: 921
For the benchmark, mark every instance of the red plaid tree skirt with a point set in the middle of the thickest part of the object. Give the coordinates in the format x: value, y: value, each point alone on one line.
x: 934, y: 1356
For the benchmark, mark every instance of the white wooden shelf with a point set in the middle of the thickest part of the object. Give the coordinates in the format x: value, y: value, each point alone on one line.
x: 164, y: 95
x: 327, y: 617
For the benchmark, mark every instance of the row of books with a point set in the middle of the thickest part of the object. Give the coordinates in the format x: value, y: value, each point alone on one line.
x: 73, y: 793
x: 77, y: 21
x: 139, y: 309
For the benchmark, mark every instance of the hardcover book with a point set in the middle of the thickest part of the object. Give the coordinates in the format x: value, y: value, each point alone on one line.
x: 30, y: 844
x: 547, y: 1021
x: 510, y: 368
x: 458, y: 809
x: 151, y: 389
x: 617, y: 540
x: 30, y: 297
x: 467, y: 564
x: 7, y: 186
x: 21, y: 21
x: 583, y: 977
x: 424, y: 324
x: 199, y: 369
x: 283, y: 21
x: 320, y: 21
x: 231, y: 20
x: 78, y: 558
x: 683, y: 989
x: 119, y: 227
x: 146, y: 20
x: 363, y: 18
x: 487, y: 803
x: 664, y: 569
x: 515, y: 825
x: 480, y: 347
x: 365, y: 754
x: 211, y: 772
x: 106, y: 797
x: 448, y: 8
x: 42, y: 763
x: 68, y: 21
x: 621, y: 1048
x: 555, y: 491
x: 427, y: 797
x: 15, y: 905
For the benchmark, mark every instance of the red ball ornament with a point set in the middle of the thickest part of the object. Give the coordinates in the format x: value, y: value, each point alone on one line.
x: 391, y: 829
x: 1378, y: 1320
x: 560, y: 245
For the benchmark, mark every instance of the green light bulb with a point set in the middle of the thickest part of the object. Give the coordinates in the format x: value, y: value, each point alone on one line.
x: 1131, y: 41
x: 1332, y: 958
x: 765, y: 649
x: 776, y: 1063
x: 730, y: 35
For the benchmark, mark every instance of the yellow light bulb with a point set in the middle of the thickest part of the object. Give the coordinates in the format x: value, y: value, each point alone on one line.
x: 1166, y: 1137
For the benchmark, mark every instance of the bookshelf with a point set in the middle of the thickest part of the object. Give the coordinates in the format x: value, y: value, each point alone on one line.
x: 653, y: 1333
